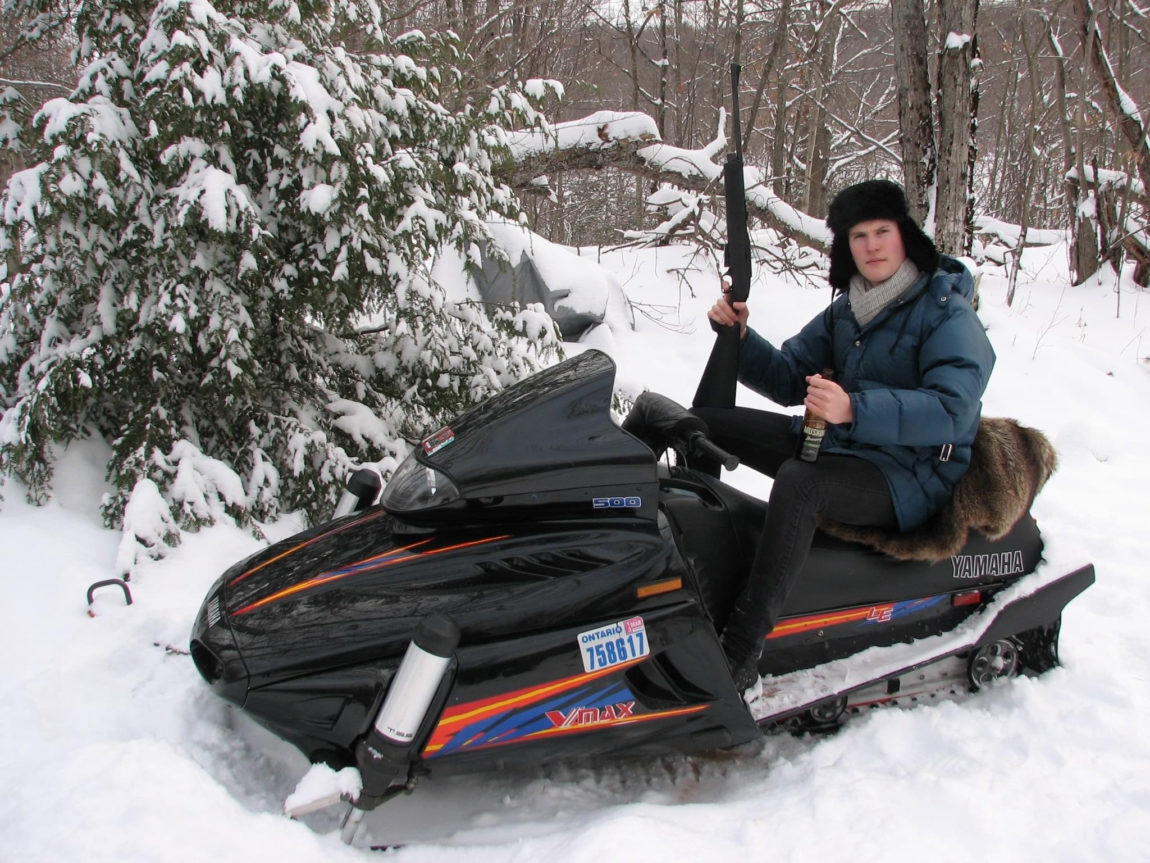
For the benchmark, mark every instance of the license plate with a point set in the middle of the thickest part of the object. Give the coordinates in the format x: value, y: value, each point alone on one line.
x: 614, y: 644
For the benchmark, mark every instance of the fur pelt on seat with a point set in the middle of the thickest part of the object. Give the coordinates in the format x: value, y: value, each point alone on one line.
x: 1009, y: 465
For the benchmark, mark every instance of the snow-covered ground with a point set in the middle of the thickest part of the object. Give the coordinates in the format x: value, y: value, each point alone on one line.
x: 113, y: 749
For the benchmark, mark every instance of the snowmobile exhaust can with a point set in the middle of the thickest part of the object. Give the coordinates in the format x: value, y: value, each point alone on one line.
x: 384, y: 755
x: 417, y: 680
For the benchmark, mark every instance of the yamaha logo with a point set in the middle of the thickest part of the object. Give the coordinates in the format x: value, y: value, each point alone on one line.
x: 987, y: 565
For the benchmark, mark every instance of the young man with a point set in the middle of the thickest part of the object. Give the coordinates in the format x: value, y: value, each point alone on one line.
x: 910, y: 361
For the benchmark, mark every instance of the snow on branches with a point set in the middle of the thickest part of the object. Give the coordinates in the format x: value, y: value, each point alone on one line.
x: 219, y: 258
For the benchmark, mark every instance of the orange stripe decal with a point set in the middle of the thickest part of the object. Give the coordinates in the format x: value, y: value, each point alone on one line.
x: 437, y: 743
x: 304, y: 545
x: 807, y: 624
x: 403, y: 554
x: 478, y: 709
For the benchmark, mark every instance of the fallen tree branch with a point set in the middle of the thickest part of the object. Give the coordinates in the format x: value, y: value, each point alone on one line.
x: 630, y: 142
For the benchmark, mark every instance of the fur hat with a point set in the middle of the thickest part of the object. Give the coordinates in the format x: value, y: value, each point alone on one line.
x: 874, y: 199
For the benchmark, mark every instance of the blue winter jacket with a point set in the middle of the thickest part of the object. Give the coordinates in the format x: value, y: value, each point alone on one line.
x: 915, y: 374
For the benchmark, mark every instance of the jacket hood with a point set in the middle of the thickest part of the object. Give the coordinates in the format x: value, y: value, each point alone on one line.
x: 952, y: 276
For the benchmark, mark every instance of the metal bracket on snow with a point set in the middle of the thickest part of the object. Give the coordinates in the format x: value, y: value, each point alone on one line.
x: 110, y: 582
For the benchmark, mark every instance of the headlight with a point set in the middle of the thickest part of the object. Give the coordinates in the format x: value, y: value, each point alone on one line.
x: 415, y: 486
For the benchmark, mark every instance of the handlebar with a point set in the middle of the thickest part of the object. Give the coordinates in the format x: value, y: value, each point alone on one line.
x: 698, y: 444
x: 661, y: 423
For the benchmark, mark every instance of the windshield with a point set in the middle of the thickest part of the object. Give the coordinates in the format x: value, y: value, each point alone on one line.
x: 546, y: 441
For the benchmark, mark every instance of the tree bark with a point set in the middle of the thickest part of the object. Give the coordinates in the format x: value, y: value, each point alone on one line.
x: 956, y: 118
x: 664, y: 65
x: 819, y: 140
x: 1084, y: 233
x: 781, y: 25
x: 1124, y: 108
x: 1069, y: 157
x: 779, y: 142
x: 914, y: 104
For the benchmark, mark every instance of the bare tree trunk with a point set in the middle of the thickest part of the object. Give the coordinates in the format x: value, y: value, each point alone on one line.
x: 956, y: 115
x: 677, y: 76
x: 914, y: 114
x: 740, y: 18
x: 634, y: 53
x: 1028, y: 165
x: 1109, y: 226
x: 664, y: 63
x: 1124, y: 108
x: 819, y: 141
x: 1073, y: 189
x: 1084, y: 229
x: 779, y: 143
x: 714, y: 24
x: 1004, y: 133
x: 1084, y: 254
x: 769, y: 65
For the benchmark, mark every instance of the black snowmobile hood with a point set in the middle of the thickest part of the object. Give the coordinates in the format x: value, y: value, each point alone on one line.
x: 546, y: 446
x: 547, y: 443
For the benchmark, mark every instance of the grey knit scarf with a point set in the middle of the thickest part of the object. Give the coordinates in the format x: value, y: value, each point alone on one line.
x: 868, y: 300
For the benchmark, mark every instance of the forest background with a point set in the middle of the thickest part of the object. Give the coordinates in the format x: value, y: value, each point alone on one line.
x: 1009, y: 123
x: 823, y: 86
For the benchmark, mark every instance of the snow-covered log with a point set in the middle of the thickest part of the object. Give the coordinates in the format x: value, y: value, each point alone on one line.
x: 1008, y: 233
x: 630, y: 141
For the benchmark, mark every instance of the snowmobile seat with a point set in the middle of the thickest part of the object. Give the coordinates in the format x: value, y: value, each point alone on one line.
x: 1009, y: 465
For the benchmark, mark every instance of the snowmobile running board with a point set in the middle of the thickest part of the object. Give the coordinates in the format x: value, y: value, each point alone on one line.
x: 1030, y: 603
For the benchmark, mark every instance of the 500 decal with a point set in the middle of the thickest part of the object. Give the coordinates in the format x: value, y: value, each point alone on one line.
x: 617, y: 502
x: 616, y: 644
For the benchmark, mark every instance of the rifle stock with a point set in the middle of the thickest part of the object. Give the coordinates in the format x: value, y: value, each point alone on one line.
x: 717, y: 385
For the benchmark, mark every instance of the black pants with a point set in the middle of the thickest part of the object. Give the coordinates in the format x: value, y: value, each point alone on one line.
x: 837, y: 487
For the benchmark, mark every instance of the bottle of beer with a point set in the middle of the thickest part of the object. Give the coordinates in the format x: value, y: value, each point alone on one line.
x: 814, y: 428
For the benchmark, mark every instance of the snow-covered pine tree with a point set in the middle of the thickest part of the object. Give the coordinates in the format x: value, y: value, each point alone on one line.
x: 223, y: 249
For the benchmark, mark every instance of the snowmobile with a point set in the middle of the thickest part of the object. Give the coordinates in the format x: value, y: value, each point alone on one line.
x: 536, y: 584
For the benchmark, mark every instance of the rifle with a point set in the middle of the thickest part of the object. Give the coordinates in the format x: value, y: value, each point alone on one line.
x: 717, y: 385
